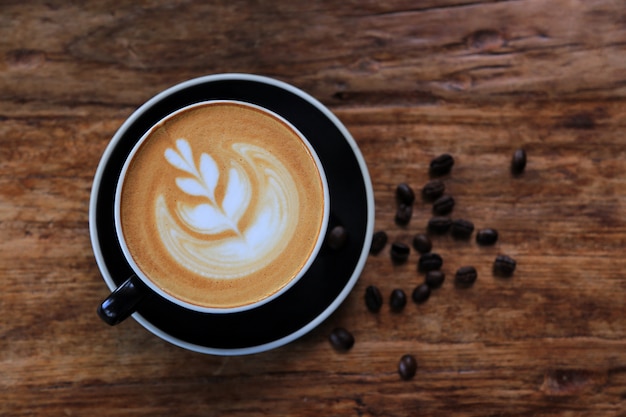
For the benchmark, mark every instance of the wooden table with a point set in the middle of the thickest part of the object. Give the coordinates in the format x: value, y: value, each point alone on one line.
x: 411, y: 80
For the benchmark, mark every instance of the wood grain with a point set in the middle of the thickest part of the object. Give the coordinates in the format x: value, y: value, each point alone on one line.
x: 410, y: 80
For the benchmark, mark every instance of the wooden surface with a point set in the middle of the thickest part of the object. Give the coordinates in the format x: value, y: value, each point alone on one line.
x: 411, y: 80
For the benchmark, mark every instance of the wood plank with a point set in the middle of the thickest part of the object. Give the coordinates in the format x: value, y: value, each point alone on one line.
x: 475, y: 78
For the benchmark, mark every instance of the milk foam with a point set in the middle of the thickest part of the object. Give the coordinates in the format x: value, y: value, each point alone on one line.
x: 222, y: 205
x: 226, y: 248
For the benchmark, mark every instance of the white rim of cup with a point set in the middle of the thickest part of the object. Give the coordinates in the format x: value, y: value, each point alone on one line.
x: 221, y: 310
x: 95, y: 242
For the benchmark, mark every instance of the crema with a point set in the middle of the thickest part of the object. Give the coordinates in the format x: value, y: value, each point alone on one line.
x: 221, y: 205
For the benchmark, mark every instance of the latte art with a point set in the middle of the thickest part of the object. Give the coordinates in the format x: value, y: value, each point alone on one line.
x: 222, y: 205
x: 227, y: 248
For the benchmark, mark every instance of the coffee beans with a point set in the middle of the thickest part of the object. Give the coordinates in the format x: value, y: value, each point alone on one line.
x: 397, y: 300
x: 404, y: 214
x: 379, y: 240
x: 373, y: 299
x: 337, y: 237
x: 405, y: 194
x: 504, y: 266
x: 341, y: 339
x: 399, y: 252
x: 433, y: 190
x: 441, y: 165
x: 465, y: 276
x: 518, y: 162
x: 434, y: 279
x: 439, y: 224
x: 486, y: 237
x: 421, y: 293
x: 407, y: 367
x: 429, y: 262
x: 443, y: 205
x: 461, y: 229
x: 422, y: 243
x: 405, y: 197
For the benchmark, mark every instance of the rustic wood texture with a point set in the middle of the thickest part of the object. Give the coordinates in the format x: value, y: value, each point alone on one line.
x: 411, y: 80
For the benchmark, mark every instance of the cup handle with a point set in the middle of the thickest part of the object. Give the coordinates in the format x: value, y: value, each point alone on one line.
x: 122, y: 302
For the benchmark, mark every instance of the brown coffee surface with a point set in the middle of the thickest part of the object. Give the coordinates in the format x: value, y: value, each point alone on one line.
x: 221, y: 205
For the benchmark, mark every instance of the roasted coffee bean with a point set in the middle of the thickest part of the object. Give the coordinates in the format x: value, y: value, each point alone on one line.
x: 504, y: 266
x: 379, y: 240
x: 487, y: 237
x: 337, y: 237
x: 407, y: 367
x: 439, y: 224
x: 441, y: 165
x: 373, y: 299
x: 461, y: 229
x: 433, y: 190
x: 405, y: 194
x: 422, y: 243
x: 465, y: 276
x: 518, y: 162
x: 434, y: 279
x: 421, y: 293
x: 397, y: 300
x: 429, y: 262
x: 341, y: 339
x: 443, y: 205
x: 403, y: 214
x: 399, y: 252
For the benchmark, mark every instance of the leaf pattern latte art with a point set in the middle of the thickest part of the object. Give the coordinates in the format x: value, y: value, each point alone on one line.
x: 211, y: 217
x: 205, y: 233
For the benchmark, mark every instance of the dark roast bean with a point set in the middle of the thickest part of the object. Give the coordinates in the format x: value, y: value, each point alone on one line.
x: 403, y: 214
x: 439, y: 224
x: 405, y: 194
x: 373, y: 299
x: 422, y: 243
x: 399, y: 252
x: 434, y: 279
x: 518, y: 162
x: 465, y: 276
x: 397, y: 300
x: 379, y: 240
x: 337, y: 237
x: 407, y: 367
x: 504, y: 266
x: 341, y: 339
x: 487, y: 237
x: 433, y: 190
x: 429, y: 262
x: 421, y: 293
x: 461, y: 229
x: 441, y: 165
x: 443, y: 205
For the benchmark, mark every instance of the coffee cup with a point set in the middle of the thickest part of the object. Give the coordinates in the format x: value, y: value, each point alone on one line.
x: 211, y: 210
x: 220, y: 207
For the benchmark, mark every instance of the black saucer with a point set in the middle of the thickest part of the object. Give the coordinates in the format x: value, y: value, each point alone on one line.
x: 331, y: 277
